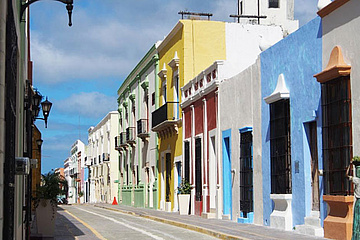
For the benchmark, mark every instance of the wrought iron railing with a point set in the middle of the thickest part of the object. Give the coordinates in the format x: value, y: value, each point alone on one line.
x: 130, y: 134
x: 117, y: 141
x: 142, y: 126
x: 122, y: 138
x: 167, y: 112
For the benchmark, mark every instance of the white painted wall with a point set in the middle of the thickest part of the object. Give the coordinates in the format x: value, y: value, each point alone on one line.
x: 282, y: 16
x: 237, y: 96
x: 101, y: 140
x: 243, y: 45
x: 341, y: 27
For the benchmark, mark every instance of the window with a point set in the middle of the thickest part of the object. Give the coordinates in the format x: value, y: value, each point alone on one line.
x: 164, y: 92
x: 280, y: 147
x: 176, y: 94
x: 153, y: 99
x: 187, y: 161
x: 337, y: 138
x: 246, y: 173
x: 198, y: 175
x: 127, y: 174
x: 273, y: 3
x: 137, y: 175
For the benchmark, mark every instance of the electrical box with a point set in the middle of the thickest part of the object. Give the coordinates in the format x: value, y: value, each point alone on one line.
x: 33, y: 163
x: 22, y: 166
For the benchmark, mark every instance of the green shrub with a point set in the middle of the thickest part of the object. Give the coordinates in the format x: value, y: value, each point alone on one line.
x: 185, y: 187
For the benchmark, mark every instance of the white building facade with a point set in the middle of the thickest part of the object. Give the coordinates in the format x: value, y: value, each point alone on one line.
x: 76, y: 172
x: 103, y: 160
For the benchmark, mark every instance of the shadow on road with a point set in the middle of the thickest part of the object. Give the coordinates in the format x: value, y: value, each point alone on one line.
x: 64, y: 226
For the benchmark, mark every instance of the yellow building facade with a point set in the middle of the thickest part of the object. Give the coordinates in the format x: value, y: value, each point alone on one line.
x: 188, y: 49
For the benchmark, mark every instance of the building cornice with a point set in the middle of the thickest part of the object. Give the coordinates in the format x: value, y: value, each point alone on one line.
x: 335, y: 68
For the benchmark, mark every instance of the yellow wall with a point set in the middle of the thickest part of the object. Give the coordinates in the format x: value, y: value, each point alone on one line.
x: 198, y: 44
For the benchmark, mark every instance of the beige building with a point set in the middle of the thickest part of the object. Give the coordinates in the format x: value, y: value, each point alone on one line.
x: 104, y: 160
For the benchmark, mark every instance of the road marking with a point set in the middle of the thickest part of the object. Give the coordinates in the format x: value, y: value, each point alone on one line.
x: 146, y: 219
x: 124, y: 224
x: 190, y: 226
x: 86, y: 225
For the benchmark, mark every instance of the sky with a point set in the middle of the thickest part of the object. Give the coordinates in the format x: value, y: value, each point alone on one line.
x: 80, y: 68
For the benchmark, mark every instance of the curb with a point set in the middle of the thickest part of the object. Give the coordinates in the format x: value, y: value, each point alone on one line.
x: 178, y: 224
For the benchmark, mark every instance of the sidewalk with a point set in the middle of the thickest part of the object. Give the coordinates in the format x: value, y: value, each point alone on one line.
x: 223, y: 229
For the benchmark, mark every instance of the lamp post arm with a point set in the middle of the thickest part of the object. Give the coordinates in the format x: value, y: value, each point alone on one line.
x: 69, y: 7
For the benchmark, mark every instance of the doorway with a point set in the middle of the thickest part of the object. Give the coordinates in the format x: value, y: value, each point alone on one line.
x: 246, y: 174
x: 314, y: 167
x: 227, y: 185
x: 168, y: 176
x: 198, y: 177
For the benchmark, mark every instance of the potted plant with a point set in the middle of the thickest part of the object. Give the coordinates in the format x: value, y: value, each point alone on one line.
x: 45, y: 202
x: 184, y: 191
x: 80, y: 195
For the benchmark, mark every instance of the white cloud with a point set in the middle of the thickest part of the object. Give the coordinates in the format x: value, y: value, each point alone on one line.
x: 305, y: 10
x: 92, y: 105
x: 54, y: 65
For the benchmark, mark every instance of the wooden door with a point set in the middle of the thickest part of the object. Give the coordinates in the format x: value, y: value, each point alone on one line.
x: 314, y: 167
x: 168, y: 176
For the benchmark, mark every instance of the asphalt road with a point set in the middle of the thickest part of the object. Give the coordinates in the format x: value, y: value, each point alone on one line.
x: 89, y: 222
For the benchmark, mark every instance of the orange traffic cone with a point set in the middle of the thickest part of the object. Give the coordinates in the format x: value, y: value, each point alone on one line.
x: 114, y: 202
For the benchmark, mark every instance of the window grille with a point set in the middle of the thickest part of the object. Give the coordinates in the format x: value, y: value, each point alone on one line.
x: 337, y: 137
x: 246, y: 173
x: 198, y: 182
x: 280, y: 147
x: 187, y: 161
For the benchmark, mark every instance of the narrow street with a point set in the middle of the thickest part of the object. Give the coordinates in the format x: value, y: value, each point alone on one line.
x: 89, y: 222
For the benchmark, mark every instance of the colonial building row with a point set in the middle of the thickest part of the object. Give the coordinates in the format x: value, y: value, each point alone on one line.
x: 260, y: 122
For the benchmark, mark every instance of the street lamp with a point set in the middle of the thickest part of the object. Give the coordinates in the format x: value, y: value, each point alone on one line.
x: 39, y: 142
x: 35, y: 102
x: 69, y: 7
x: 45, y: 105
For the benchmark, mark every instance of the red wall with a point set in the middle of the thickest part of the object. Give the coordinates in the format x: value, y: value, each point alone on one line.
x: 199, y: 117
x: 187, y: 113
x: 211, y: 111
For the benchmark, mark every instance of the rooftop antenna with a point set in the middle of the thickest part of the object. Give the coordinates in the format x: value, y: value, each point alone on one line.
x: 240, y: 15
x: 208, y: 15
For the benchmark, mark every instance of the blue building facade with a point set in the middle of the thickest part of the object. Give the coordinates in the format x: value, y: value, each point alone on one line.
x: 295, y: 59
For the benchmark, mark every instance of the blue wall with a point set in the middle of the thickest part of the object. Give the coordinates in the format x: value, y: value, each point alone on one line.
x: 298, y: 57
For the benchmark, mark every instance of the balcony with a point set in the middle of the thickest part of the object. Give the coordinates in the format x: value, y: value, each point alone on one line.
x: 106, y: 157
x: 130, y: 136
x: 165, y: 120
x: 117, y: 143
x: 122, y: 140
x: 143, y: 129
